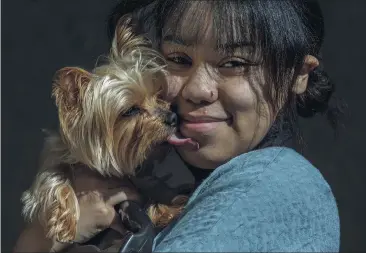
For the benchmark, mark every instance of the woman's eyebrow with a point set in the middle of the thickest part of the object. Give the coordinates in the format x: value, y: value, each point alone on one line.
x: 191, y: 41
x: 231, y: 47
x: 178, y: 40
x: 235, y: 45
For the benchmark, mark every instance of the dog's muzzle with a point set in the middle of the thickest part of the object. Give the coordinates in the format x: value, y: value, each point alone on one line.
x: 171, y: 119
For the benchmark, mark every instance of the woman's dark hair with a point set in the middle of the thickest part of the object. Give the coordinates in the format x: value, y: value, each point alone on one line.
x: 282, y: 31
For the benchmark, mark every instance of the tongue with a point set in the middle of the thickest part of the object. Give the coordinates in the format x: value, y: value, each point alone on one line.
x: 178, y: 140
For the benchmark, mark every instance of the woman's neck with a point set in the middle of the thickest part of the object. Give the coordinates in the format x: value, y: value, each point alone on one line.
x: 281, y: 132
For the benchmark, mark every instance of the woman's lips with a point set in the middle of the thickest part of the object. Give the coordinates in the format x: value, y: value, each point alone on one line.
x: 201, y: 126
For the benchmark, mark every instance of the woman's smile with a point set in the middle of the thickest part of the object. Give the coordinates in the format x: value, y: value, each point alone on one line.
x: 201, y: 123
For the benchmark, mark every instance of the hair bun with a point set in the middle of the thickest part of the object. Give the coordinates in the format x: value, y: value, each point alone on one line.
x: 317, y: 95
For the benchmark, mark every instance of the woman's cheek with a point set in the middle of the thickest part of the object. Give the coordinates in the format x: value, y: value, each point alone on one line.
x: 173, y: 87
x: 239, y: 97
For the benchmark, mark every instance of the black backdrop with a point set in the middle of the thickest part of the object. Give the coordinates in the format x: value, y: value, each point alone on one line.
x: 39, y: 37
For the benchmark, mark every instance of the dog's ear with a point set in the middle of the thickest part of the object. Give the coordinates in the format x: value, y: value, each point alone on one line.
x: 69, y: 84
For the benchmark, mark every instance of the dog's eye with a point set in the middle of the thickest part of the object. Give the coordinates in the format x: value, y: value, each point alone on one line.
x: 132, y: 111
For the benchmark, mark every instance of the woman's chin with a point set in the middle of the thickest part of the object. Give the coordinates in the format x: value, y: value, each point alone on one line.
x: 203, y: 158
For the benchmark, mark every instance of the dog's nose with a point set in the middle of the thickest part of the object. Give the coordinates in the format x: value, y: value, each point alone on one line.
x: 171, y: 119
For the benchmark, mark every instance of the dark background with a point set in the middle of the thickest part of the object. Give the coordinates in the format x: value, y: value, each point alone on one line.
x: 39, y: 37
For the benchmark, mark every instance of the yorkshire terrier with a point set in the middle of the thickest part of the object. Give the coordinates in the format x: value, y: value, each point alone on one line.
x: 110, y: 121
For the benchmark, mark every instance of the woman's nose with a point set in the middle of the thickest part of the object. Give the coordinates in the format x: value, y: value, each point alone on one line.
x: 172, y: 88
x: 200, y: 87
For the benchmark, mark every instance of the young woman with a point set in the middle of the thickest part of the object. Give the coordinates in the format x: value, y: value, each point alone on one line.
x: 240, y: 74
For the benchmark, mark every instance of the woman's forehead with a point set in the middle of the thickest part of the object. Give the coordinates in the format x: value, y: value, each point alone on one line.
x: 192, y: 42
x: 189, y: 26
x: 189, y: 23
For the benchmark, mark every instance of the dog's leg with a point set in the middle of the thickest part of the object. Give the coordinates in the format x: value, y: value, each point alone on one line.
x: 53, y: 201
x: 62, y: 214
x: 161, y: 215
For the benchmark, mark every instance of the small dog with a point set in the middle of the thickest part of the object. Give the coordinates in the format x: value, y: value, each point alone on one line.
x: 110, y: 121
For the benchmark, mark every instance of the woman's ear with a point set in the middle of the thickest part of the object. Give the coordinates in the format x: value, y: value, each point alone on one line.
x: 310, y: 63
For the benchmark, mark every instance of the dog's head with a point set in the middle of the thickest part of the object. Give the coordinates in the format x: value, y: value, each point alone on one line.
x: 112, y: 118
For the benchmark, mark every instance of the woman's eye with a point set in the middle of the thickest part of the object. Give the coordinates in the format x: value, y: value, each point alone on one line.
x: 179, y: 60
x: 234, y: 64
x: 235, y: 67
x: 134, y: 110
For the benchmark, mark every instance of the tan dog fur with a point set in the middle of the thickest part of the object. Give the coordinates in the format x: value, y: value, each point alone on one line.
x: 95, y: 132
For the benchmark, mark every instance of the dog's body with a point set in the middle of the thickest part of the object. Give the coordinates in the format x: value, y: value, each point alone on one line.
x: 110, y: 121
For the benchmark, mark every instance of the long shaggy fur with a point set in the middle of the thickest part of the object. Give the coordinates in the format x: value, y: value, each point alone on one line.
x: 51, y: 198
x: 94, y: 132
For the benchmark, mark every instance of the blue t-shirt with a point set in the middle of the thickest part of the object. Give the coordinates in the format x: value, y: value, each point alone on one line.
x: 268, y: 200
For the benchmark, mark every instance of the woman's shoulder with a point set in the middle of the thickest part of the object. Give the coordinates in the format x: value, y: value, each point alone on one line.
x: 269, y: 178
x: 266, y: 200
x: 275, y: 168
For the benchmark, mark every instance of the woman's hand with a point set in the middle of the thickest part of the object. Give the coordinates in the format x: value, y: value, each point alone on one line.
x: 97, y: 197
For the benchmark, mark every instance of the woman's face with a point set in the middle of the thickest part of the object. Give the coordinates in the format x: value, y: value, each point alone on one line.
x: 220, y: 103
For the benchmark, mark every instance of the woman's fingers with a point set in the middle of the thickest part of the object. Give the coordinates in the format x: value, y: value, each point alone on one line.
x: 117, y: 223
x: 117, y: 198
x: 98, y: 197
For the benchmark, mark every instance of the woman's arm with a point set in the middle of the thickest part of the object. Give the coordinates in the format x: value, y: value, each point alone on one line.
x: 33, y: 239
x: 258, y: 203
x: 97, y: 201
